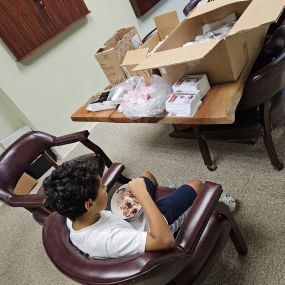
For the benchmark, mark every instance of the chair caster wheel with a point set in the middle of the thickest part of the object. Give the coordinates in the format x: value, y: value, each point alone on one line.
x: 212, y: 167
x: 279, y: 167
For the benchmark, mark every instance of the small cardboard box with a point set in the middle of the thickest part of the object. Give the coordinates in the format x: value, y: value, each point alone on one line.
x: 165, y: 24
x: 221, y: 59
x: 25, y: 184
x: 111, y: 55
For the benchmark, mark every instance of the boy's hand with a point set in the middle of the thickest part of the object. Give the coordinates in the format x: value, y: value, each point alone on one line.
x: 137, y: 187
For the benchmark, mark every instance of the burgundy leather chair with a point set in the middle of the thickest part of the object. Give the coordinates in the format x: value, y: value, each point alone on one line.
x: 198, y: 244
x: 262, y: 106
x: 16, y: 159
x: 190, y: 6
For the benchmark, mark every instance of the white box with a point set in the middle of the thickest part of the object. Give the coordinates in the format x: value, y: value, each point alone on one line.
x: 190, y: 83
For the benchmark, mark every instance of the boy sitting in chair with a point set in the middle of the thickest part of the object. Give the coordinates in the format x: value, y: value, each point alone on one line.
x: 75, y: 190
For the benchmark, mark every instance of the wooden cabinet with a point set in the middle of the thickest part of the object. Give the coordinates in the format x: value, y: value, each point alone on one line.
x: 25, y: 25
x: 142, y: 6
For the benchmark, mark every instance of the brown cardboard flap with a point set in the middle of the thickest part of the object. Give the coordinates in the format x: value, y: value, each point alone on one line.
x: 212, y: 6
x: 258, y: 13
x: 135, y: 56
x: 25, y: 185
x: 166, y: 23
x: 178, y: 55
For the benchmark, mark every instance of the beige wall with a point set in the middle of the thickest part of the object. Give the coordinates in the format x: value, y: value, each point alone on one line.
x: 49, y: 85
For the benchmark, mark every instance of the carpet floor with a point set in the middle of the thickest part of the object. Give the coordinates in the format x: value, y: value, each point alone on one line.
x: 245, y: 171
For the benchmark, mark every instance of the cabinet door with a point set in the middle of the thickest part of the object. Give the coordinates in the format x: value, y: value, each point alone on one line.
x: 65, y: 12
x: 24, y: 25
x: 142, y: 6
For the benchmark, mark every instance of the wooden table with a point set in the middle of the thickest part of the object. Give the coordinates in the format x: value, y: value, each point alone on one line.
x: 218, y: 107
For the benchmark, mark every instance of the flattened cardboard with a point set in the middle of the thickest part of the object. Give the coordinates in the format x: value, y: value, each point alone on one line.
x: 222, y: 60
x: 111, y: 55
x: 25, y: 185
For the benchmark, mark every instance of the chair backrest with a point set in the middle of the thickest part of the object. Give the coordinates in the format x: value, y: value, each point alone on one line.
x: 269, y: 79
x: 190, y: 6
x: 17, y: 158
x: 148, y: 268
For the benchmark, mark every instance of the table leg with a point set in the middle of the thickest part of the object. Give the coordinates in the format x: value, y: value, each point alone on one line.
x: 203, y: 146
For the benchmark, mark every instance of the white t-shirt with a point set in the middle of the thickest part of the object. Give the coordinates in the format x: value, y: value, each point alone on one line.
x: 111, y: 237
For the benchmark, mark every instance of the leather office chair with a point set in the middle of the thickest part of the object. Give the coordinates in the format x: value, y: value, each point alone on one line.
x: 190, y: 6
x: 262, y: 106
x: 197, y: 247
x: 16, y: 159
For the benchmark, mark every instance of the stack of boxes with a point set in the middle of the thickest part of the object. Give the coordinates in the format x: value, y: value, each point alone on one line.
x: 188, y: 93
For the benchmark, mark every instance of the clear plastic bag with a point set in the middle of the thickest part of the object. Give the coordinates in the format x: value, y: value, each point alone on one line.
x: 144, y: 101
x: 118, y: 92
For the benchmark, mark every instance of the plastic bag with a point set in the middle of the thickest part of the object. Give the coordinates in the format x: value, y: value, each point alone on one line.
x: 142, y: 100
x: 117, y: 93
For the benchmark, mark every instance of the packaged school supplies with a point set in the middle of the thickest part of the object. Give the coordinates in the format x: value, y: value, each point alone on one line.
x: 100, y: 102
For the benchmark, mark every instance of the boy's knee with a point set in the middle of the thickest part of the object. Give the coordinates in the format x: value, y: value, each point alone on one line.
x: 150, y: 176
x: 146, y: 173
x: 195, y: 184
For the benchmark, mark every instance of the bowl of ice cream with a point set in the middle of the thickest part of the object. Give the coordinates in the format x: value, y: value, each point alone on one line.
x: 125, y: 205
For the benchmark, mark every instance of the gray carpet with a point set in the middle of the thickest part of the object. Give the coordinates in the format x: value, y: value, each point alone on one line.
x: 243, y: 170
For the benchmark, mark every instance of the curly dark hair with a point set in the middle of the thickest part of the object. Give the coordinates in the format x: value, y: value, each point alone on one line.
x: 70, y: 185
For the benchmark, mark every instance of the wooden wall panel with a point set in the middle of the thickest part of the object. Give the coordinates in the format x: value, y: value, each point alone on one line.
x: 25, y: 25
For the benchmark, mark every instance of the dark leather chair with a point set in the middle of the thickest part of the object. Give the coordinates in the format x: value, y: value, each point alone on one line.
x: 190, y: 6
x: 16, y: 159
x: 198, y: 244
x: 262, y: 106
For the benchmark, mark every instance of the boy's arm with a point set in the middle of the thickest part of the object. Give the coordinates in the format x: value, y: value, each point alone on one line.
x: 159, y: 237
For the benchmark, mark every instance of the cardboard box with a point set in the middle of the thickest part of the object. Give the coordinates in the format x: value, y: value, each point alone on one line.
x: 165, y: 24
x: 111, y: 55
x: 132, y: 59
x: 221, y: 59
x: 25, y: 185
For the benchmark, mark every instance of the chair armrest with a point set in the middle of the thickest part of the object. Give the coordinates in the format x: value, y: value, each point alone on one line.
x: 198, y: 217
x: 112, y: 174
x: 72, y: 138
x: 32, y: 200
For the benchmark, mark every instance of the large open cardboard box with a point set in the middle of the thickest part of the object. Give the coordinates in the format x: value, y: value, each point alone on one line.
x: 222, y: 60
x: 111, y: 55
